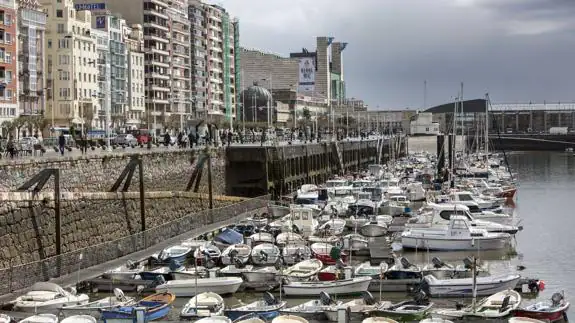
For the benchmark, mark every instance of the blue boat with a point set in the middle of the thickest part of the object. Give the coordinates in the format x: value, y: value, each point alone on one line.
x: 227, y: 238
x: 157, y: 307
x: 266, y: 308
x: 165, y: 272
x: 176, y: 253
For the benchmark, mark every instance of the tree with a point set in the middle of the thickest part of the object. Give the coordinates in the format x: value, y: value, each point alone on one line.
x: 8, y: 126
x: 88, y: 118
x: 306, y: 114
x: 18, y: 124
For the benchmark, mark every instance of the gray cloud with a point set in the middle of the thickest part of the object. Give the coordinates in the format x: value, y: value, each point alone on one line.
x: 518, y: 50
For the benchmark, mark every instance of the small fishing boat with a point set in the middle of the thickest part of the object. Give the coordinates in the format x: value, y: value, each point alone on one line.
x: 294, y: 253
x: 518, y: 319
x: 157, y: 307
x: 355, y: 285
x: 463, y: 287
x: 237, y: 252
x: 333, y: 227
x: 326, y: 252
x: 265, y: 274
x: 313, y: 309
x: 285, y: 238
x: 304, y: 270
x: 496, y: 306
x: 127, y: 271
x: 207, y: 255
x: 265, y: 254
x: 378, y: 320
x: 41, y: 318
x: 261, y: 237
x: 228, y: 237
x: 552, y: 310
x: 190, y: 273
x: 79, y: 319
x: 214, y: 319
x: 435, y: 320
x: 267, y: 308
x: 250, y: 318
x: 258, y: 220
x: 324, y: 239
x: 406, y: 311
x: 177, y: 253
x: 367, y: 269
x: 289, y: 319
x: 235, y: 270
x: 45, y: 297
x: 203, y: 305
x: 192, y: 287
x: 356, y: 308
x: 441, y: 270
x: 166, y: 272
x: 355, y: 242
x: 94, y: 308
x: 374, y: 228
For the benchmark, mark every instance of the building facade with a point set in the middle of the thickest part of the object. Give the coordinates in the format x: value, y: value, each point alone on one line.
x: 134, y: 40
x: 215, y: 74
x: 31, y: 29
x: 102, y: 39
x: 71, y: 64
x: 9, y: 109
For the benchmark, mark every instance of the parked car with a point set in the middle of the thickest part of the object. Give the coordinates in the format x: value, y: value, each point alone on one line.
x: 125, y: 139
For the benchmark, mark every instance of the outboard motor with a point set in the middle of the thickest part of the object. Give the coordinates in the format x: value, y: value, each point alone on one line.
x: 504, y: 304
x: 130, y: 264
x: 233, y: 255
x: 238, y: 263
x: 325, y: 299
x: 209, y: 263
x: 556, y: 299
x: 174, y: 265
x: 421, y: 298
x: 339, y: 264
x: 368, y: 298
x: 159, y: 280
x: 437, y: 263
x: 270, y: 299
x: 468, y: 263
x: 405, y: 263
x: 263, y: 255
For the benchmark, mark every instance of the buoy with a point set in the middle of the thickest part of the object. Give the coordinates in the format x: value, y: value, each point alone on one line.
x: 541, y: 285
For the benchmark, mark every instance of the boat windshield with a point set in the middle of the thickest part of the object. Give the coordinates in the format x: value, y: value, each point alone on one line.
x: 465, y: 197
x: 331, y: 184
x: 304, y: 201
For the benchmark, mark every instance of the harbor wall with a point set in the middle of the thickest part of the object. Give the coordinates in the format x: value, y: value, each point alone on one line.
x: 528, y: 142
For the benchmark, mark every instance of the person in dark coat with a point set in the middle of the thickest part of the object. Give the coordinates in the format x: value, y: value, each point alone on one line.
x: 230, y: 137
x: 62, y: 143
x: 167, y: 139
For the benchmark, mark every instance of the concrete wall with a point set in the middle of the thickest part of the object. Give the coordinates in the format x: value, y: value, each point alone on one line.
x: 257, y: 65
x: 163, y: 171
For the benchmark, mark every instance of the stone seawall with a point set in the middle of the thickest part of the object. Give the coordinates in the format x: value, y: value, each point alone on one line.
x: 163, y: 171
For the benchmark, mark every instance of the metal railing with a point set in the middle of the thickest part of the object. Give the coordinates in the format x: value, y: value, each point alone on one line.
x: 18, y: 277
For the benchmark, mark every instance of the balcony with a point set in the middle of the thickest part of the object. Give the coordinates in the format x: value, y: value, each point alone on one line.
x: 159, y: 37
x: 157, y: 76
x: 157, y: 25
x: 159, y: 51
x: 181, y: 53
x: 156, y: 13
x: 160, y: 3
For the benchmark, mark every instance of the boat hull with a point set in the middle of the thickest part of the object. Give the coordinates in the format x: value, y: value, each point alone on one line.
x: 549, y: 316
x: 422, y: 243
x: 191, y: 290
x: 257, y: 277
x: 267, y: 315
x: 466, y: 289
x: 373, y: 230
x: 341, y: 287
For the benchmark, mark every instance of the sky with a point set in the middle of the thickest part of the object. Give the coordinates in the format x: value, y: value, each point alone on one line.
x: 518, y: 51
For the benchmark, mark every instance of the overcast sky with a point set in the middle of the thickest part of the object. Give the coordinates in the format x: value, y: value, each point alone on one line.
x: 517, y: 50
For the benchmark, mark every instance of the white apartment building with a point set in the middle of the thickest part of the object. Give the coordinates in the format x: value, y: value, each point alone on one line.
x: 8, y: 63
x: 134, y: 40
x: 71, y: 62
x: 102, y: 40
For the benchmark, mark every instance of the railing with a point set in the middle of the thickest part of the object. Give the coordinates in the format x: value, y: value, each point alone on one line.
x: 22, y: 276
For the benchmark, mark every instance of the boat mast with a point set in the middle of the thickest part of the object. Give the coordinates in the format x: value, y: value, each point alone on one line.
x: 486, y: 129
x: 474, y: 273
x: 463, y: 143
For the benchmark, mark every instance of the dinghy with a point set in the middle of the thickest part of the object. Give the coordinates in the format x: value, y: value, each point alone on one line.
x: 356, y: 308
x: 192, y: 287
x: 552, y: 310
x: 239, y: 252
x: 313, y: 309
x: 285, y: 238
x: 79, y: 319
x: 176, y: 253
x: 227, y: 238
x: 355, y: 285
x: 267, y: 308
x: 157, y: 306
x: 127, y: 271
x: 94, y: 308
x: 289, y: 319
x: 261, y: 237
x: 265, y: 274
x: 462, y: 287
x: 496, y: 306
x: 378, y: 320
x: 41, y: 318
x: 203, y: 305
x: 45, y: 297
x: 265, y: 254
x: 325, y: 252
x: 293, y: 253
x: 406, y: 311
x: 304, y: 270
x: 214, y: 319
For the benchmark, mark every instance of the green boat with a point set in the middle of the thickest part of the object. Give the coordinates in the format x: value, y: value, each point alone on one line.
x: 406, y: 311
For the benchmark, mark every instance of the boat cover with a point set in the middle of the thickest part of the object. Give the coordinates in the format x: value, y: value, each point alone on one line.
x: 230, y: 236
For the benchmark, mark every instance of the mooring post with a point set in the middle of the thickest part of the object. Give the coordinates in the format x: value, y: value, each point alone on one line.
x: 142, y: 195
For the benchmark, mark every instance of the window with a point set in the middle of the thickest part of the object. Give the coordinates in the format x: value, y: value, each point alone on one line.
x: 8, y: 38
x: 8, y: 94
x: 49, y: 43
x: 8, y: 57
x: 59, y: 13
x: 60, y: 28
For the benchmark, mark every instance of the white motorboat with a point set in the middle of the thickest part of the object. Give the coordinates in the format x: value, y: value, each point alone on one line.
x: 257, y: 220
x: 355, y: 242
x: 313, y: 309
x: 442, y: 270
x: 301, y: 220
x: 367, y: 269
x: 5, y: 318
x: 374, y: 228
x: 46, y: 297
x: 356, y: 221
x: 93, y: 308
x: 214, y: 319
x: 293, y: 253
x: 233, y: 270
x: 289, y: 319
x: 203, y: 305
x: 496, y: 306
x: 303, y: 270
x: 286, y: 238
x: 462, y: 287
x: 459, y: 235
x: 237, y: 252
x: 324, y: 239
x: 177, y: 253
x: 192, y: 287
x: 266, y: 308
x: 250, y: 319
x: 356, y: 308
x: 127, y: 271
x: 332, y: 227
x: 207, y: 254
x: 265, y: 254
x: 378, y: 320
x: 337, y: 287
x: 79, y: 319
x: 265, y: 274
x: 41, y: 318
x: 191, y: 273
x: 261, y: 237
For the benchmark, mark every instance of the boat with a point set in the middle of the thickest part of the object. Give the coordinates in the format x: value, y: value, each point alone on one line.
x: 79, y: 319
x: 406, y: 311
x: 435, y: 320
x: 192, y: 287
x: 356, y: 308
x: 518, y: 319
x: 552, y: 310
x: 5, y: 318
x: 277, y: 210
x: 294, y: 253
x: 93, y: 308
x: 333, y: 227
x: 442, y: 270
x: 177, y: 253
x: 228, y: 237
x: 237, y: 252
x: 265, y: 254
x: 303, y: 270
x: 166, y: 272
x: 300, y: 220
x: 355, y: 285
x: 156, y: 306
x: 127, y: 271
x: 324, y: 239
x: 235, y: 270
x: 190, y: 273
x: 374, y: 228
x: 259, y: 220
x: 402, y: 276
x: 313, y: 309
x: 267, y: 308
x: 265, y: 274
x: 326, y: 252
x: 250, y: 318
x: 496, y: 306
x: 214, y: 319
x: 378, y: 320
x: 458, y: 236
x: 46, y: 296
x: 261, y: 237
x: 367, y: 269
x: 203, y: 305
x: 355, y: 242
x: 207, y: 255
x: 462, y: 287
x: 41, y: 318
x: 293, y: 238
x: 289, y: 319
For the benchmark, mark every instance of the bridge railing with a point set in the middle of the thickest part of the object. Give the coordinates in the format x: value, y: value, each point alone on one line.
x: 139, y: 245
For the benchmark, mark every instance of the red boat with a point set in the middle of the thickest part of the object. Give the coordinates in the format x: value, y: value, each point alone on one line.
x: 552, y: 310
x: 325, y: 251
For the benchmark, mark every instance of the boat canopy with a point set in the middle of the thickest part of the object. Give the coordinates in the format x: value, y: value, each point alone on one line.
x: 230, y: 236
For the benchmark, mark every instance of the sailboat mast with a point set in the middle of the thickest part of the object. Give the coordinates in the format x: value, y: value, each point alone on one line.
x: 486, y: 134
x: 474, y: 273
x: 463, y: 145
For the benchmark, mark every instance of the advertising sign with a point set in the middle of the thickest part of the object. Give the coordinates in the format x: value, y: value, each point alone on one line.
x: 101, y: 22
x: 306, y: 74
x: 89, y: 6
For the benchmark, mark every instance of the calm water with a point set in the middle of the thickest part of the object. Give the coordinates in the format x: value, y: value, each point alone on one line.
x: 544, y: 209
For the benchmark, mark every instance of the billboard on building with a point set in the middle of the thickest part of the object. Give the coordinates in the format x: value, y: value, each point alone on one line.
x: 306, y: 74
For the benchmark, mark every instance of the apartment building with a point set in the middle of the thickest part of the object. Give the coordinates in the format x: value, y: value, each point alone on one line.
x: 160, y: 20
x: 102, y: 39
x: 8, y: 62
x: 215, y: 46
x: 71, y: 64
x: 31, y: 29
x: 134, y: 40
